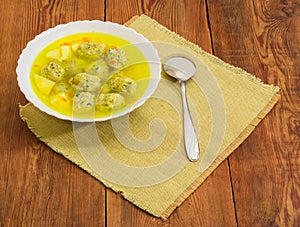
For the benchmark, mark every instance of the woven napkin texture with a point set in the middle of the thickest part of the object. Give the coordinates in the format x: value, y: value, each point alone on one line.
x: 141, y: 155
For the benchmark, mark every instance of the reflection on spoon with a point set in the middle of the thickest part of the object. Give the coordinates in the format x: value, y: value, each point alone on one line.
x: 183, y: 69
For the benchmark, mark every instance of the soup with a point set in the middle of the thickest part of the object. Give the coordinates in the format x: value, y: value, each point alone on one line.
x: 90, y: 75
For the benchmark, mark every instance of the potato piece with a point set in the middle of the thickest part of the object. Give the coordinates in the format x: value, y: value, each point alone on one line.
x: 54, y: 54
x: 62, y: 87
x: 43, y: 84
x: 66, y: 52
x: 61, y: 54
x: 60, y: 100
x: 75, y: 47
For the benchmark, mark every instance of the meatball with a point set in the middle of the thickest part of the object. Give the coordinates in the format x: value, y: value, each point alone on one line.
x: 85, y: 82
x: 53, y: 71
x: 99, y: 68
x: 122, y: 84
x: 83, y: 102
x: 110, y: 101
x: 73, y: 66
x: 91, y: 50
x: 115, y: 58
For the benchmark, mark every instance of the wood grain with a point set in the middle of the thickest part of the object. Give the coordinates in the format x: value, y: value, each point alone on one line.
x: 37, y: 186
x: 262, y: 37
x: 120, y: 212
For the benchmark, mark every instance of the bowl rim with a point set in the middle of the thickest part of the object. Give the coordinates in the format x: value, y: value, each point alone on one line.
x: 57, y: 32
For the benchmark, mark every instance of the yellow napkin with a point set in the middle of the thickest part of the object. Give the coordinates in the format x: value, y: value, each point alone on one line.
x: 141, y: 155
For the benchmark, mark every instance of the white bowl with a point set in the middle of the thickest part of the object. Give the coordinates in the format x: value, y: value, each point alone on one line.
x: 35, y: 46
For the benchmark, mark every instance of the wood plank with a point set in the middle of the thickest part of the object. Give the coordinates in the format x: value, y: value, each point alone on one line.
x: 37, y: 186
x: 263, y: 38
x: 212, y: 203
x: 120, y: 212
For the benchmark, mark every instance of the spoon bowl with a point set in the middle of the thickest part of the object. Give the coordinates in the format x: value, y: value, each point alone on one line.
x: 183, y: 69
x: 180, y: 68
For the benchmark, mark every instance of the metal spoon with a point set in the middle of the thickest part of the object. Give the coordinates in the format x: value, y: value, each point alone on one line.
x: 183, y: 69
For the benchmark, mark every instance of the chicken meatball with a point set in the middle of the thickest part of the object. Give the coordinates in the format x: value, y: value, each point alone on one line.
x: 110, y: 101
x: 53, y: 71
x: 99, y: 68
x: 83, y: 102
x: 115, y: 58
x: 85, y: 82
x: 91, y: 50
x: 122, y: 84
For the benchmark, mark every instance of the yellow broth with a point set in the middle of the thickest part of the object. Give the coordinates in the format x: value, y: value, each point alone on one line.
x: 136, y: 68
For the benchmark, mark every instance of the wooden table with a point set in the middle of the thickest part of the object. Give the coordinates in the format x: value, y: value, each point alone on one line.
x: 258, y: 185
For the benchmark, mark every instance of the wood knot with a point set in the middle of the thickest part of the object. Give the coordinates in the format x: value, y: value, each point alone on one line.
x: 294, y: 124
x: 288, y: 11
x: 292, y: 10
x: 297, y: 128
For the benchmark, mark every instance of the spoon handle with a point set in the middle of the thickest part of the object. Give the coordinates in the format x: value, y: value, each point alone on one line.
x: 190, y: 137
